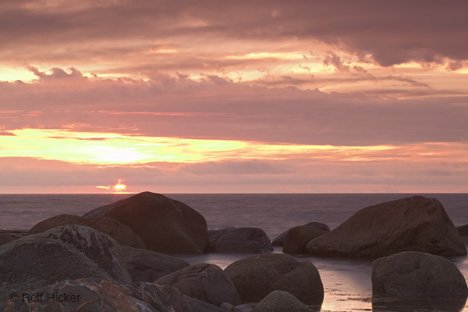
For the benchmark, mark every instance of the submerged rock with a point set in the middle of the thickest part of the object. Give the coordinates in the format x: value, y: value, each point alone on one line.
x: 147, y: 265
x: 298, y: 237
x: 206, y: 282
x: 280, y: 301
x: 415, y: 223
x: 419, y: 280
x: 115, y: 229
x: 239, y: 240
x: 164, y: 224
x: 257, y: 276
x: 281, y: 239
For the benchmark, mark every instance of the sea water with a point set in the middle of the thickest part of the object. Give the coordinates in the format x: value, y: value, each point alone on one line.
x: 347, y: 282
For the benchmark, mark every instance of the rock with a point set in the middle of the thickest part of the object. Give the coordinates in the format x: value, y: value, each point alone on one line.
x: 239, y: 240
x: 98, y: 247
x: 160, y: 296
x: 89, y: 295
x: 246, y: 307
x: 226, y: 306
x: 33, y: 262
x: 298, y: 237
x: 115, y: 229
x: 418, y: 279
x: 200, y: 306
x: 7, y: 236
x: 280, y: 239
x: 164, y: 224
x: 414, y: 223
x: 280, y: 301
x: 147, y: 266
x: 257, y: 276
x: 206, y: 282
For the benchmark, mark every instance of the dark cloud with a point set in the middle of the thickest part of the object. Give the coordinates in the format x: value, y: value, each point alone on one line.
x: 391, y: 31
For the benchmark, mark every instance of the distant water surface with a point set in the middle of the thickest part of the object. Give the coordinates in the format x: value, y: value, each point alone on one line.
x: 347, y: 282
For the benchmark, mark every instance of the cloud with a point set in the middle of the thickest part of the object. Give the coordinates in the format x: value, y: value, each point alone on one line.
x: 390, y: 32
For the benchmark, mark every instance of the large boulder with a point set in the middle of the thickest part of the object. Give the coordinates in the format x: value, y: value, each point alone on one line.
x: 147, y: 265
x: 239, y: 240
x: 115, y: 229
x: 281, y: 239
x: 98, y: 247
x: 257, y: 276
x: 33, y: 262
x: 418, y: 279
x: 206, y: 282
x: 164, y: 224
x: 280, y: 301
x: 197, y: 305
x: 90, y: 295
x: 298, y: 237
x: 160, y: 296
x: 414, y: 223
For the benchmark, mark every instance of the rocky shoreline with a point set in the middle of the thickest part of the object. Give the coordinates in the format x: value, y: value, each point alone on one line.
x: 125, y: 257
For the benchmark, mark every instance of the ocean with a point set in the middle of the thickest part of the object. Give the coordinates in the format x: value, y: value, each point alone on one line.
x: 347, y: 282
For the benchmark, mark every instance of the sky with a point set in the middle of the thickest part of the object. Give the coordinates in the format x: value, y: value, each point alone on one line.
x: 214, y: 96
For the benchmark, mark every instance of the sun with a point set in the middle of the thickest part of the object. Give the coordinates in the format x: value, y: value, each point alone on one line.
x: 119, y: 187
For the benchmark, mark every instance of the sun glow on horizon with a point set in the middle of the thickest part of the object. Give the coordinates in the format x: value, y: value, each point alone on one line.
x: 119, y: 187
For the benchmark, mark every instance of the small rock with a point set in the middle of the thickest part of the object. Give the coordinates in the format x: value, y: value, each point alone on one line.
x: 281, y: 239
x: 206, y: 282
x: 239, y: 240
x: 298, y: 237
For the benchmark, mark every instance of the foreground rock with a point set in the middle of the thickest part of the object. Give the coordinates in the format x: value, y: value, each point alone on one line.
x: 417, y: 278
x: 281, y: 239
x: 197, y: 305
x: 280, y: 301
x: 298, y: 237
x: 414, y: 223
x: 90, y: 295
x: 147, y: 266
x: 115, y: 229
x: 34, y: 262
x: 239, y: 240
x: 257, y: 276
x: 7, y: 236
x: 206, y: 282
x: 164, y: 224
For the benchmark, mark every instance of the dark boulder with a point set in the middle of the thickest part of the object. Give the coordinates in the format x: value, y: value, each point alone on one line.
x: 197, y: 305
x: 91, y: 295
x: 164, y: 224
x: 414, y: 223
x: 115, y: 229
x: 206, y: 282
x: 257, y: 276
x: 281, y: 239
x: 298, y: 237
x: 280, y: 301
x: 33, y: 262
x: 463, y: 232
x: 239, y: 240
x: 147, y: 265
x: 419, y: 280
